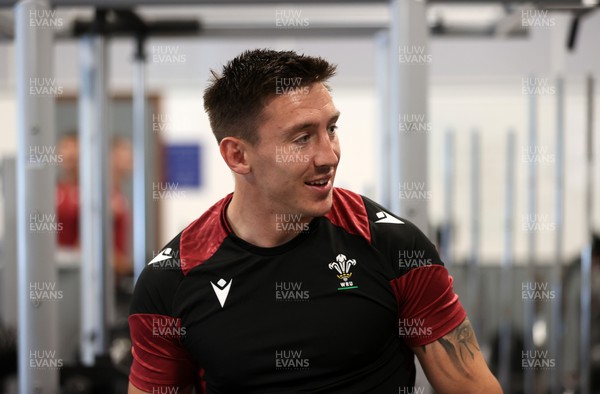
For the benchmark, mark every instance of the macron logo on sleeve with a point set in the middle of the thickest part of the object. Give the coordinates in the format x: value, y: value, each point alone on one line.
x: 384, y: 217
x: 222, y: 290
x: 164, y: 254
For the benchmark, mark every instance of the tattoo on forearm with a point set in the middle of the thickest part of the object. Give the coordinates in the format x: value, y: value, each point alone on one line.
x: 460, y: 344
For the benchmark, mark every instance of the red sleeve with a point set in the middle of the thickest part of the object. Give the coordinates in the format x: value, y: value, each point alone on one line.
x: 159, y: 359
x: 428, y: 308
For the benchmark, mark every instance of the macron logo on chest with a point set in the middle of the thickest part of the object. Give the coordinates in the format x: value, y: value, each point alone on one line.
x: 222, y: 290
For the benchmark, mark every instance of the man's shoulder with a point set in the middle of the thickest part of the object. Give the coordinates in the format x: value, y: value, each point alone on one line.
x: 348, y: 212
x: 195, y: 235
x: 188, y: 248
x: 394, y: 237
x: 158, y: 281
x: 166, y: 269
x: 362, y: 216
x: 201, y: 238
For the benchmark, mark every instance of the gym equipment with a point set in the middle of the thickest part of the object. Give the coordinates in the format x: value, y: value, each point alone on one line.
x: 556, y: 333
x: 586, y: 252
x: 505, y: 339
x: 35, y: 196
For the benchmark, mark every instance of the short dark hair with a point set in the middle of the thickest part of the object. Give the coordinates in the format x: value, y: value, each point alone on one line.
x: 235, y: 99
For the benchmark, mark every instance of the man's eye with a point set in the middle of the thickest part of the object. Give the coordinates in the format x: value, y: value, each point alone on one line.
x: 303, y: 139
x: 332, y: 129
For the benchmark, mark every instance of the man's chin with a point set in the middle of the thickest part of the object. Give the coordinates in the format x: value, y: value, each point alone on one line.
x: 315, y: 207
x: 321, y: 210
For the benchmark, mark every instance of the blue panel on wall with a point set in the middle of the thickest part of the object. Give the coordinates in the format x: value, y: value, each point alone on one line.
x: 183, y: 165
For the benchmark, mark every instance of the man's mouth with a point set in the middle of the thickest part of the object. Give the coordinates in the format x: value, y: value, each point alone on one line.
x: 320, y: 182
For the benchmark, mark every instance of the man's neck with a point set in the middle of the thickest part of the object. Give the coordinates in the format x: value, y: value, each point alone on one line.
x: 256, y: 224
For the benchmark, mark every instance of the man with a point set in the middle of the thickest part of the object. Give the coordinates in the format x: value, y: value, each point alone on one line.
x: 289, y: 284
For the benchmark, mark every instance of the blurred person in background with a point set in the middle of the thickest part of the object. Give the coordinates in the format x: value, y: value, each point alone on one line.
x: 67, y: 191
x: 122, y: 167
x: 68, y: 206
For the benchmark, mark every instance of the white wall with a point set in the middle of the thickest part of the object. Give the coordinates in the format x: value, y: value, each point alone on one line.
x: 493, y: 108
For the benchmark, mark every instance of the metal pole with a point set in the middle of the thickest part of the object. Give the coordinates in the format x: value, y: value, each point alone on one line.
x: 586, y: 319
x: 446, y: 236
x: 557, y: 319
x: 507, y: 265
x: 96, y: 223
x: 529, y: 306
x: 408, y: 104
x: 473, y: 273
x: 586, y: 253
x: 140, y: 175
x: 38, y: 353
x: 9, y: 291
x: 590, y: 154
x: 382, y: 42
x: 408, y: 32
x: 395, y: 34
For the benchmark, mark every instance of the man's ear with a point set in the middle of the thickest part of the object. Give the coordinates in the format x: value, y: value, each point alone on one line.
x: 234, y: 152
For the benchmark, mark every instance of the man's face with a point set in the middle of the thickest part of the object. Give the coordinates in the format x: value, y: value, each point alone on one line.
x: 68, y: 149
x: 122, y: 158
x: 294, y: 162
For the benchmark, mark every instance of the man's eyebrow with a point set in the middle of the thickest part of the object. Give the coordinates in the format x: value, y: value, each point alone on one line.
x: 308, y: 125
x: 335, y: 117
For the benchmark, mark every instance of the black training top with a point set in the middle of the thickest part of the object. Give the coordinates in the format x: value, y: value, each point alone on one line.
x: 335, y: 310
